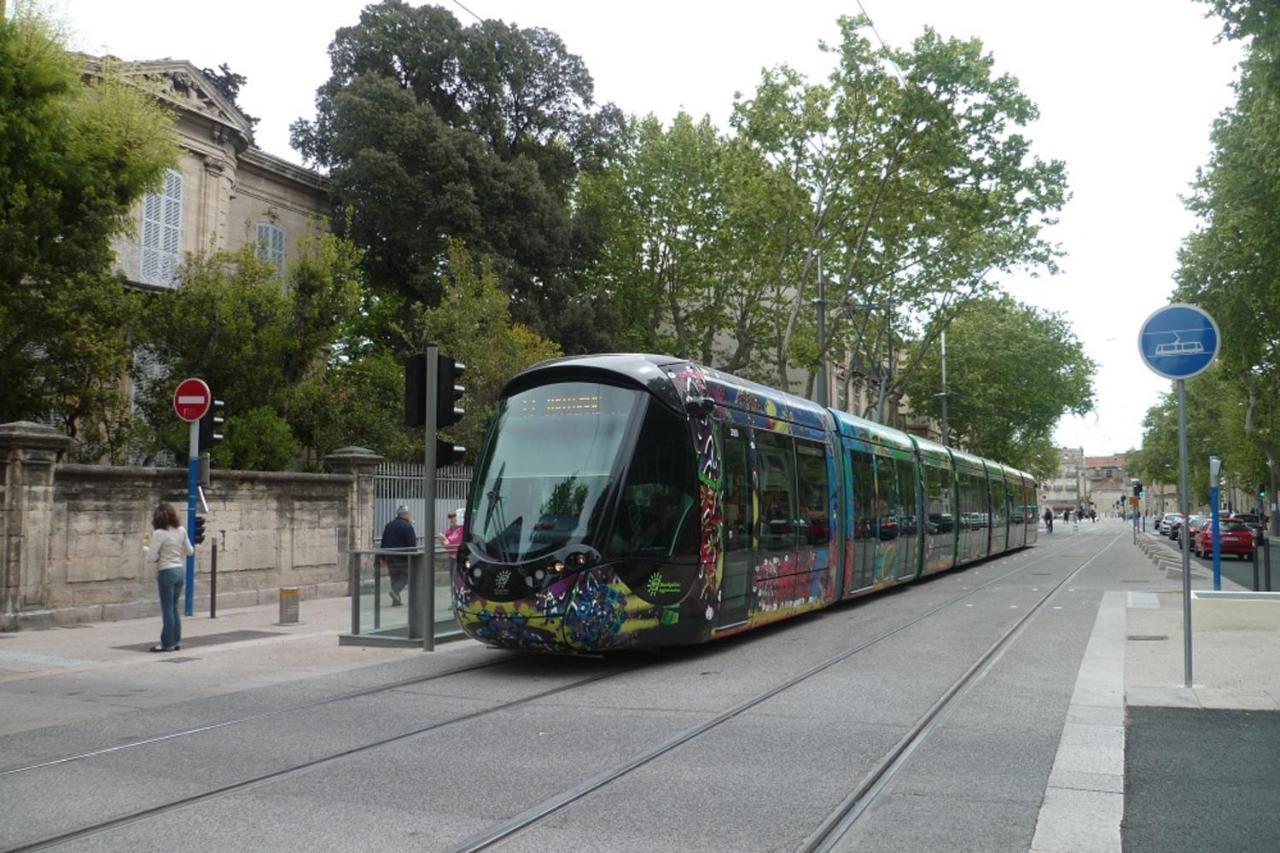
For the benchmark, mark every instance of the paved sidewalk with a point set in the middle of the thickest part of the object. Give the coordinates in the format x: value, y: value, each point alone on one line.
x: 92, y: 670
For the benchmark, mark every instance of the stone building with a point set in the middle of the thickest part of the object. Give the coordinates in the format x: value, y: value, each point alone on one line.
x: 1107, y: 481
x: 224, y: 191
x: 1066, y: 489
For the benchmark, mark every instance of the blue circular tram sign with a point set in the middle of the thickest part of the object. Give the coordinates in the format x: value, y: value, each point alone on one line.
x: 1178, y: 341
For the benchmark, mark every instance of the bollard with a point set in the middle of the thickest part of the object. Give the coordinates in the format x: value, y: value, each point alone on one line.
x: 1266, y: 562
x: 288, y: 605
x: 353, y: 567
x: 1255, y: 568
x: 213, y: 582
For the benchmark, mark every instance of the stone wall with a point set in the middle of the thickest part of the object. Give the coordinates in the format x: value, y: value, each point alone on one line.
x: 71, y: 535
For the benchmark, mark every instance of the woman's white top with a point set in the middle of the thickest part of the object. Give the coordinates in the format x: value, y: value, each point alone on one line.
x: 168, y: 547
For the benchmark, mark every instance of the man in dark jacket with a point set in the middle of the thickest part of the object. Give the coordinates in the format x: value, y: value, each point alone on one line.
x: 398, y: 533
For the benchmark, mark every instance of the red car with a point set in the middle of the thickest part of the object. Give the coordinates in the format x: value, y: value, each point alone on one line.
x: 1234, y: 537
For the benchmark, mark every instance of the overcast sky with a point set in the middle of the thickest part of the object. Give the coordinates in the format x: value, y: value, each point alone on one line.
x: 1127, y: 93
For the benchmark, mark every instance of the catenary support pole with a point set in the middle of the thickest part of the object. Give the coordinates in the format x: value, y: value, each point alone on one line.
x: 823, y: 394
x: 1183, y: 504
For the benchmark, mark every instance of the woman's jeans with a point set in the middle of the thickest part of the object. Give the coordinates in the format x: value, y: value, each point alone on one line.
x: 170, y: 583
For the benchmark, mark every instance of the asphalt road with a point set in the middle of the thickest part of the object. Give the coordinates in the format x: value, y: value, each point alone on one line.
x: 462, y: 753
x: 1183, y: 764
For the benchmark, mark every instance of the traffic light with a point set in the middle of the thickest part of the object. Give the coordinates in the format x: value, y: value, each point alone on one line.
x: 209, y: 426
x: 449, y: 390
x: 198, y: 534
x: 448, y: 453
x: 1137, y: 488
x: 415, y: 390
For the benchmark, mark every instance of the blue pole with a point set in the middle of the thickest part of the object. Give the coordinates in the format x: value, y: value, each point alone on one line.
x: 1217, y: 546
x: 193, y: 465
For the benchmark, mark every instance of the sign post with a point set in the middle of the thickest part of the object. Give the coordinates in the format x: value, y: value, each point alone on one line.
x: 1178, y: 342
x: 191, y: 400
x: 1215, y: 468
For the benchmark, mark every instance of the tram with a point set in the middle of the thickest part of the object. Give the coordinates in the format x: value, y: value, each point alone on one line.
x: 639, y: 501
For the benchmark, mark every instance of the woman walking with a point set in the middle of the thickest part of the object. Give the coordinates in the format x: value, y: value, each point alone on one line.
x: 168, y: 546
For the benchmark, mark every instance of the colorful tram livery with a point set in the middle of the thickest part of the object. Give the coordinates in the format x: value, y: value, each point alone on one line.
x: 635, y: 501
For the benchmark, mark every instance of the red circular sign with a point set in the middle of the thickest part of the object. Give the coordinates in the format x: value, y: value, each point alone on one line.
x: 192, y: 399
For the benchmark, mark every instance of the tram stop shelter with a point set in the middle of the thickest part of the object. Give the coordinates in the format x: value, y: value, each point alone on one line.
x: 376, y: 618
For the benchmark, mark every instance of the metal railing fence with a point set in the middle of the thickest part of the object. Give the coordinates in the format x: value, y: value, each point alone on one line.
x: 396, y: 483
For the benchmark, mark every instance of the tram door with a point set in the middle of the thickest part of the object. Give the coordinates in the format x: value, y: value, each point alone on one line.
x: 739, y: 521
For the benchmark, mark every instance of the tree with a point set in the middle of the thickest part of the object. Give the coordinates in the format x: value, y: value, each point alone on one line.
x: 253, y: 337
x: 693, y: 222
x: 1230, y: 264
x: 918, y: 186
x: 433, y: 131
x: 473, y: 325
x: 1012, y: 372
x: 75, y: 155
x: 229, y: 84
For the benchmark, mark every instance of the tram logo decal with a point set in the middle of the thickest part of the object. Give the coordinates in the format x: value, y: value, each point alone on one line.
x: 657, y: 586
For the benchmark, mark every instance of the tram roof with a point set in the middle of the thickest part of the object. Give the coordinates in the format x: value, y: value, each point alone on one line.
x: 860, y: 428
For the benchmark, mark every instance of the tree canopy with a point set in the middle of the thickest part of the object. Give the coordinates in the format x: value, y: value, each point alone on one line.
x: 434, y: 131
x: 75, y: 155
x: 1012, y: 372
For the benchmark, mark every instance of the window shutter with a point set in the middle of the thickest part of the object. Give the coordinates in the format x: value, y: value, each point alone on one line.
x: 162, y: 233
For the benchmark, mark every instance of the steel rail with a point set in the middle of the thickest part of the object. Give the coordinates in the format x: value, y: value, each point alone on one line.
x: 195, y: 730
x: 840, y: 820
x: 534, y: 815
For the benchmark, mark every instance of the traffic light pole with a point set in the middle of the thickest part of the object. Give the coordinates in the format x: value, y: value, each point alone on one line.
x: 427, y: 612
x: 193, y: 471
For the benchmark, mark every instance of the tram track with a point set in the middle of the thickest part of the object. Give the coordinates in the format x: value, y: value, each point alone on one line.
x: 244, y: 785
x: 250, y: 718
x: 533, y: 816
x: 521, y: 822
x: 846, y: 815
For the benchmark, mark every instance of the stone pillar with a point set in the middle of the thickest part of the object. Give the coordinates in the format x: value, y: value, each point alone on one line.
x: 360, y: 463
x: 28, y: 452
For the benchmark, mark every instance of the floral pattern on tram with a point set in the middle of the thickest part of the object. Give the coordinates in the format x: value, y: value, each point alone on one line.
x: 787, y: 584
x: 691, y: 384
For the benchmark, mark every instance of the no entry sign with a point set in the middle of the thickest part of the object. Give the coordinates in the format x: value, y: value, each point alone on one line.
x: 192, y: 399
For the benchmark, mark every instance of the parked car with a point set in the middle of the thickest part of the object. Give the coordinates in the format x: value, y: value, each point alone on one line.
x: 1234, y: 537
x: 1166, y: 522
x: 1194, y: 525
x: 1251, y: 521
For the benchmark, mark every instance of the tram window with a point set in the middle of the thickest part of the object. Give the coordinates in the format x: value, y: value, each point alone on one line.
x: 777, y: 491
x: 864, y: 495
x: 937, y: 484
x: 737, y: 492
x: 886, y: 498
x: 657, y: 516
x: 815, y: 505
x: 907, y: 491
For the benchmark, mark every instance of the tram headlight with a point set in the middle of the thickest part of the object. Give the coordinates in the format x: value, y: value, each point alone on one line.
x: 557, y: 567
x: 466, y: 564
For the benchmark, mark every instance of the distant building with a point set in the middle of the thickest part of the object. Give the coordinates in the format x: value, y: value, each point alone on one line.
x: 1066, y: 489
x: 223, y: 193
x: 1107, y: 481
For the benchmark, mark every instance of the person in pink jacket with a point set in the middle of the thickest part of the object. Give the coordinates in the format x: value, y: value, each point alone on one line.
x: 451, y: 538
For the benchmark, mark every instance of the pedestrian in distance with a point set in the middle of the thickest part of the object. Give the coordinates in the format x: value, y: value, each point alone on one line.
x: 1048, y: 520
x: 398, y: 533
x: 168, y: 546
x: 451, y: 538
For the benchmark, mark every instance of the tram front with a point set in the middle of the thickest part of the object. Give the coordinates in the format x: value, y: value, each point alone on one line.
x: 583, y: 529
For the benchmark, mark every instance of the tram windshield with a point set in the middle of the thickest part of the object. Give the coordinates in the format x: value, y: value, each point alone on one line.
x: 543, y: 482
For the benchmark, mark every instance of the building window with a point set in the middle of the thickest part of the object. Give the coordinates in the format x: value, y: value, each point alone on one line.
x: 271, y: 245
x: 162, y: 233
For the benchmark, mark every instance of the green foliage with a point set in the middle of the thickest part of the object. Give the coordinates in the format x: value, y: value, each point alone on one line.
x: 435, y: 131
x: 1012, y: 372
x: 74, y: 158
x: 257, y: 440
x: 358, y: 400
x: 915, y: 190
x: 1230, y: 264
x: 249, y: 335
x: 473, y: 325
x: 1216, y: 407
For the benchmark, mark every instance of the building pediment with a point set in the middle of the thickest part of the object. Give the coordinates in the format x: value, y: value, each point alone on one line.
x: 183, y: 86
